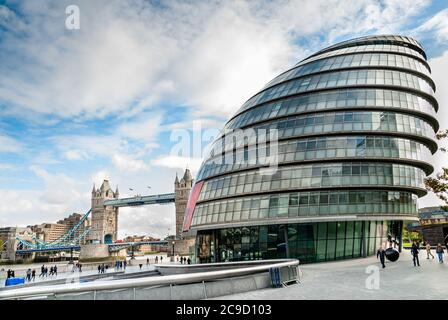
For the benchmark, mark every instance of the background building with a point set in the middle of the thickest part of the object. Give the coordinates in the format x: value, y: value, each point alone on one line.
x: 182, y: 190
x: 10, y: 244
x: 433, y: 225
x: 356, y: 126
x: 104, y: 221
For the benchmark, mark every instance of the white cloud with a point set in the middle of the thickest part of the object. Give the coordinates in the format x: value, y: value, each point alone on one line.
x: 7, y: 166
x: 8, y: 144
x: 210, y: 56
x: 178, y: 162
x: 76, y: 155
x: 437, y: 25
x: 127, y: 163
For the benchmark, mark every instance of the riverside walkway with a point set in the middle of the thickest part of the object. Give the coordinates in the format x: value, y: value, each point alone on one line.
x: 347, y: 279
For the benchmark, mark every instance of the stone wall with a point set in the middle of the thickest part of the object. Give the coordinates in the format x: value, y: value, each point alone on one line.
x: 94, y: 251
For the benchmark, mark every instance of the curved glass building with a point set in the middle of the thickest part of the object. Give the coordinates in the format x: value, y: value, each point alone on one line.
x: 325, y: 162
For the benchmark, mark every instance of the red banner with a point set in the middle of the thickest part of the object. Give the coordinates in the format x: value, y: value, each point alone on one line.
x: 191, y: 204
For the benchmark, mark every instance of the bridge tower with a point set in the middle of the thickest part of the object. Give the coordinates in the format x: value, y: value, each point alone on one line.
x: 182, y: 190
x: 104, y: 221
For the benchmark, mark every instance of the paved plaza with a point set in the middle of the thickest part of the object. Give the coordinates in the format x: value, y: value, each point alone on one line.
x: 346, y: 280
x: 88, y: 269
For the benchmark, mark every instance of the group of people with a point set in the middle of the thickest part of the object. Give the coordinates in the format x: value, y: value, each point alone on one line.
x: 184, y: 260
x: 10, y: 273
x: 30, y: 275
x: 415, y: 250
x: 44, y: 271
x: 77, y: 267
x: 157, y: 259
x: 439, y: 251
x: 120, y: 265
x: 102, y: 268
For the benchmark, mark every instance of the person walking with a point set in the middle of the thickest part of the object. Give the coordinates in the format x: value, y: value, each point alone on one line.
x: 157, y: 259
x: 381, y: 253
x: 140, y: 265
x: 161, y: 258
x: 99, y: 268
x: 440, y: 251
x: 33, y: 275
x: 428, y: 251
x: 415, y: 252
x: 42, y: 271
x: 189, y: 261
x: 147, y: 261
x: 55, y: 270
x: 124, y: 264
x: 51, y: 271
x: 28, y: 275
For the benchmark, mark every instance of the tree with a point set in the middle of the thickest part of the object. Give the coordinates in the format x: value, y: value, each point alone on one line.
x: 410, y: 236
x: 439, y: 183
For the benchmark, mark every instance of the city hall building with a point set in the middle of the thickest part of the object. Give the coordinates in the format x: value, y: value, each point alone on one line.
x: 354, y: 128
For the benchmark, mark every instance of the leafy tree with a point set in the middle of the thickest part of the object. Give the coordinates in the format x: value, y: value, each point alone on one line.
x: 439, y: 183
x: 411, y: 236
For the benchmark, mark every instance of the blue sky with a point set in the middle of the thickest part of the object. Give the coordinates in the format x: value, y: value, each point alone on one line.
x: 112, y: 98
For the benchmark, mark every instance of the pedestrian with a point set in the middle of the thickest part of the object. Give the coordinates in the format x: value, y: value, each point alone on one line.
x: 439, y: 251
x: 140, y: 265
x: 147, y: 261
x: 189, y: 261
x: 177, y: 258
x: 80, y: 267
x: 428, y: 251
x: 8, y: 274
x: 51, y: 271
x: 157, y: 259
x: 381, y: 253
x: 33, y: 275
x: 161, y: 258
x: 28, y: 275
x: 99, y: 268
x: 415, y: 252
x: 55, y: 270
x: 124, y: 264
x: 42, y: 271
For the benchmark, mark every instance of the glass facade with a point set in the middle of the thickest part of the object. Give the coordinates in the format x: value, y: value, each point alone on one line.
x: 322, y: 148
x: 342, y: 79
x: 354, y: 131
x: 309, y: 242
x: 305, y: 204
x: 355, y: 60
x: 341, y: 99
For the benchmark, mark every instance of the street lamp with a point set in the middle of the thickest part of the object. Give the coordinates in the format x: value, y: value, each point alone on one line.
x: 172, y: 256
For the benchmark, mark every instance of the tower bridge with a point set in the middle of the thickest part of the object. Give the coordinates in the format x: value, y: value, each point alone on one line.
x: 99, y: 239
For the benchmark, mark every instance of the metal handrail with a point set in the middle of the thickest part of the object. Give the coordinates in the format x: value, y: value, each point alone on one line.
x: 141, y: 282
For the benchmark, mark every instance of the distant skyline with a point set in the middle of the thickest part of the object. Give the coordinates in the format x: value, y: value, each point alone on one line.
x: 107, y: 100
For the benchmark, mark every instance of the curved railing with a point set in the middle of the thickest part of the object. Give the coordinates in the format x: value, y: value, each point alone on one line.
x: 177, y: 279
